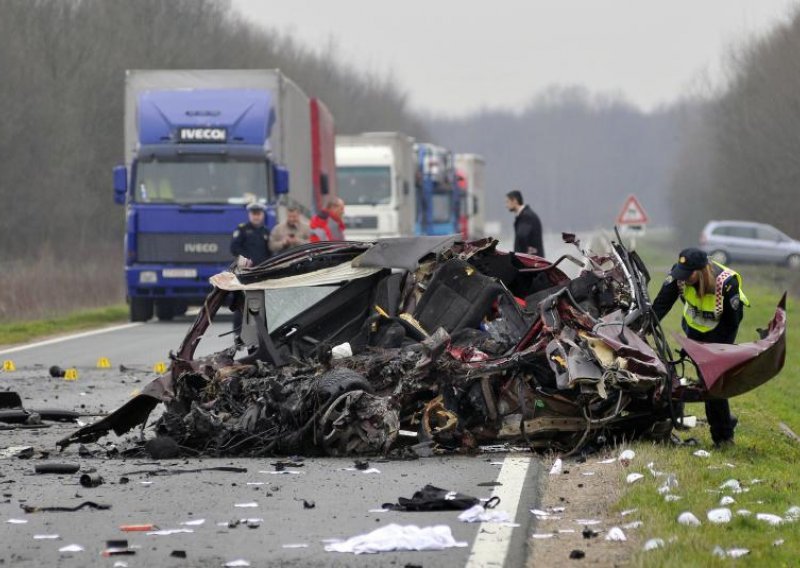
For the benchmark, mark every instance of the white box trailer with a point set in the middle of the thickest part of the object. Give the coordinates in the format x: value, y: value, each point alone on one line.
x: 290, y: 140
x: 472, y: 167
x: 375, y: 178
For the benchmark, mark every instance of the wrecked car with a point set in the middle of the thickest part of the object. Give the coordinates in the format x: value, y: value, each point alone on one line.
x: 433, y: 344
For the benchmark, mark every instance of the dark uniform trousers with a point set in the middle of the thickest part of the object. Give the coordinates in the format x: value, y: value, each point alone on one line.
x: 253, y: 243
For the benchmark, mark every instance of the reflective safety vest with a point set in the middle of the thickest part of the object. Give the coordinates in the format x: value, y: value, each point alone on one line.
x: 703, y: 313
x: 324, y: 227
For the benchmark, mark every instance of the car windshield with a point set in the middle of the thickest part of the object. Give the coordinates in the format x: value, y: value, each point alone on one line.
x: 364, y: 185
x: 285, y: 303
x: 206, y: 180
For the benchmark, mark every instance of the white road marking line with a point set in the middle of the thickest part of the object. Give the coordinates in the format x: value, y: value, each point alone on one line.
x: 71, y: 337
x: 491, y: 544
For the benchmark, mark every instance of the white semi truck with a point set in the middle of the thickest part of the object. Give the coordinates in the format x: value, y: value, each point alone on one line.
x: 471, y: 167
x: 375, y: 178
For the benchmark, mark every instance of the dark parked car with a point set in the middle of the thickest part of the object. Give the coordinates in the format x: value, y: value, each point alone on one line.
x: 744, y: 241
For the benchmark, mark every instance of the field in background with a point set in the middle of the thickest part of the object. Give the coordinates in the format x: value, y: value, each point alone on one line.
x: 762, y: 452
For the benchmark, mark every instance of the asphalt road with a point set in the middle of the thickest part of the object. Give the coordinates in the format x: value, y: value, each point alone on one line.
x: 343, y: 499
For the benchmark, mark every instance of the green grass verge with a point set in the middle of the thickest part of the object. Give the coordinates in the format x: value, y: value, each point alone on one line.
x: 761, y: 452
x: 20, y: 332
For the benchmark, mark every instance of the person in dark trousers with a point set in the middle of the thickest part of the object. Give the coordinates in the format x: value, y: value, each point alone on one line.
x: 527, y: 226
x: 251, y: 241
x: 713, y: 303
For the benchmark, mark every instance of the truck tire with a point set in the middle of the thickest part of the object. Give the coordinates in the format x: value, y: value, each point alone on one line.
x: 165, y: 310
x: 141, y: 309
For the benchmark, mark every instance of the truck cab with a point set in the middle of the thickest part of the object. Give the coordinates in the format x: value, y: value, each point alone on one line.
x: 438, y: 197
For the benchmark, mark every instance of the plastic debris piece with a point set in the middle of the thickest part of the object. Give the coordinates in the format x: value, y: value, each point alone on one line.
x: 669, y: 498
x: 701, y: 454
x: 719, y: 516
x: 773, y: 520
x: 398, y: 537
x: 249, y: 505
x: 744, y: 513
x: 71, y: 548
x: 295, y: 545
x: 737, y: 552
x: 726, y: 500
x: 178, y: 554
x: 17, y: 521
x: 626, y: 457
x: 609, y: 460
x: 587, y: 521
x: 792, y: 513
x: 168, y: 532
x: 558, y: 509
x: 616, y: 534
x: 61, y: 468
x: 46, y: 537
x: 670, y: 483
x: 255, y: 483
x: 654, y: 543
x: 193, y: 523
x: 541, y: 536
x: 634, y: 477
x: 756, y: 481
x: 371, y: 470
x: 651, y: 467
x: 137, y: 528
x: 91, y: 480
x: 577, y: 554
x: 632, y: 525
x: 778, y: 542
x: 284, y: 472
x: 557, y: 466
x: 732, y: 484
x: 627, y: 512
x: 566, y: 531
x: 540, y: 513
x: 379, y: 510
x: 718, y: 551
x: 688, y: 519
x: 587, y: 473
x: 478, y: 514
x: 120, y: 564
x: 238, y: 563
x: 588, y: 533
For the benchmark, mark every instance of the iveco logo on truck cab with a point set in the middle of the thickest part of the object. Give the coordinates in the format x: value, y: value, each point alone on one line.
x: 193, y: 134
x: 207, y: 248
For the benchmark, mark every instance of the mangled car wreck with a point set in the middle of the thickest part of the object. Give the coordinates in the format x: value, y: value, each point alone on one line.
x: 371, y: 348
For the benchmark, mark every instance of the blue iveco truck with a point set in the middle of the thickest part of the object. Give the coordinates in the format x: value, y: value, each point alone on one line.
x: 199, y: 146
x: 438, y: 203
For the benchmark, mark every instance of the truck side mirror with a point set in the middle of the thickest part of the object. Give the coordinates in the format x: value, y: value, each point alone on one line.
x: 281, y: 177
x: 120, y: 184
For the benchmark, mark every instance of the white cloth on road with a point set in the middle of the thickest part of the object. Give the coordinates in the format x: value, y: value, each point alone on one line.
x: 398, y: 537
x: 478, y: 514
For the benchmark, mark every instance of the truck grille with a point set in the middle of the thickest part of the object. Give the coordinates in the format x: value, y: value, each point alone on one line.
x: 361, y: 222
x: 191, y: 248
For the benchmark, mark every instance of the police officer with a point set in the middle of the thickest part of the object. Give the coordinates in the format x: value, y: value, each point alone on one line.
x: 250, y: 240
x: 713, y: 303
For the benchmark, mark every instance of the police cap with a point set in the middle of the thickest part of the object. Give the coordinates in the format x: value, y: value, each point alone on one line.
x: 256, y: 206
x: 689, y: 260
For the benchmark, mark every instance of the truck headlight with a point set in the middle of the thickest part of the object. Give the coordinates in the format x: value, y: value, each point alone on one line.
x: 148, y: 277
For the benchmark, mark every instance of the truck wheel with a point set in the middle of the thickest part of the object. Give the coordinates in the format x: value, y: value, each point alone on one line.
x: 719, y: 256
x: 165, y: 310
x: 141, y: 309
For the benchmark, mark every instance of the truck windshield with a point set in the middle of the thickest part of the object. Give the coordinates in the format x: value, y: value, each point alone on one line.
x: 201, y: 181
x: 364, y: 185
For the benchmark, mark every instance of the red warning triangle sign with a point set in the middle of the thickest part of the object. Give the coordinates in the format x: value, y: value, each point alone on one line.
x: 632, y: 213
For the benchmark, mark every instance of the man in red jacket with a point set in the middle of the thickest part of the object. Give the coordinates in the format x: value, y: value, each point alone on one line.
x: 327, y: 225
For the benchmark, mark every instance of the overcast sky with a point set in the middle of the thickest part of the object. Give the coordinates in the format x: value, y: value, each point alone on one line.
x: 455, y: 56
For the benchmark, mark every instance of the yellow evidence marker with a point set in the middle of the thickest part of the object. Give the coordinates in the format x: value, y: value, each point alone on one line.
x: 8, y: 366
x: 160, y: 368
x: 103, y: 363
x: 71, y: 374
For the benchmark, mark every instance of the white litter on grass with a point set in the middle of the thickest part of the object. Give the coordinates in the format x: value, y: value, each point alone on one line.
x: 46, y: 537
x: 295, y: 545
x: 609, y: 460
x: 653, y: 544
x: 730, y: 553
x: 17, y: 521
x: 587, y: 521
x: 566, y: 531
x: 756, y: 481
x: 778, y: 542
x: 555, y: 469
x: 726, y: 500
x: 626, y: 457
x: 773, y: 520
x: 398, y: 537
x: 193, y: 523
x: 283, y: 472
x: 627, y: 512
x: 632, y: 525
x: 249, y: 505
x: 719, y: 516
x: 542, y: 535
x: 651, y: 467
x: 793, y: 514
x: 71, y: 548
x: 168, y: 532
x: 701, y: 454
x: 732, y: 484
x: 587, y: 473
x: 688, y: 519
x: 616, y: 534
x: 634, y: 477
x: 561, y: 509
x: 744, y: 513
x: 669, y: 484
x: 477, y: 514
x: 669, y: 498
x: 239, y: 563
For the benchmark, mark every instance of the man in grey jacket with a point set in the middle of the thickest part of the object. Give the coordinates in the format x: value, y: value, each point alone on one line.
x: 290, y: 233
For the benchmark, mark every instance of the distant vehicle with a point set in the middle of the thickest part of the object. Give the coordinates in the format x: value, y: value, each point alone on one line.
x: 471, y: 168
x: 200, y: 145
x: 375, y: 178
x: 745, y: 241
x: 438, y: 196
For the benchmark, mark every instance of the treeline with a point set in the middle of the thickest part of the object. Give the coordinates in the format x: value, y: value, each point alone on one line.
x: 740, y: 154
x: 574, y: 156
x: 62, y: 65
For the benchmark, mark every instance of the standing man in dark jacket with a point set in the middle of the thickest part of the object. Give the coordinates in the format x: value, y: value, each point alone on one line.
x: 251, y: 241
x: 527, y: 226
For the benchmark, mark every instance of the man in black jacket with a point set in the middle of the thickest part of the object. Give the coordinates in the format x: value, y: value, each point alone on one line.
x: 527, y: 226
